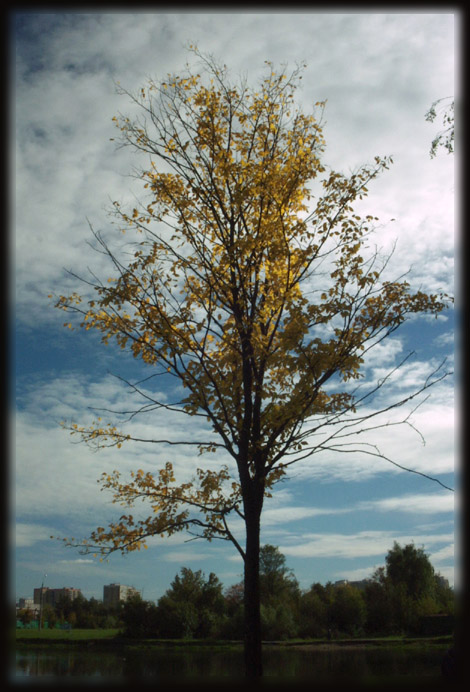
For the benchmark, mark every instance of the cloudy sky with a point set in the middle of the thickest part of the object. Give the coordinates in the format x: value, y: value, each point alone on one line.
x: 338, y: 515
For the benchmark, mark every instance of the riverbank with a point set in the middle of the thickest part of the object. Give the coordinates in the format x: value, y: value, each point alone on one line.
x: 112, y: 639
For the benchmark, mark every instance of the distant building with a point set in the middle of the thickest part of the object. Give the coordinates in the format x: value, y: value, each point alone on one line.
x: 113, y: 593
x: 27, y: 604
x: 48, y: 596
x: 361, y: 585
x: 442, y: 581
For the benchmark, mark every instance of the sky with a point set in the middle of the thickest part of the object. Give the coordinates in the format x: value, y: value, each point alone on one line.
x: 336, y: 516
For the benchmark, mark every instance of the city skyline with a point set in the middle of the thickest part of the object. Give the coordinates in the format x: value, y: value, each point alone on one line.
x: 131, y: 590
x: 53, y: 593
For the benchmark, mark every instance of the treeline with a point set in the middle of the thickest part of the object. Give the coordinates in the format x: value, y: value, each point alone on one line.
x: 81, y: 613
x: 393, y: 601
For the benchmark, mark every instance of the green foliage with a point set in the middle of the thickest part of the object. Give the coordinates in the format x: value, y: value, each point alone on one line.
x: 49, y: 615
x: 192, y: 606
x: 404, y: 591
x: 179, y: 620
x: 313, y: 614
x: 278, y: 621
x: 140, y: 618
x: 232, y: 625
x: 77, y: 635
x: 85, y: 613
x: 379, y: 605
x: 348, y: 610
x: 25, y: 616
x: 393, y: 601
x: 277, y: 581
x: 410, y: 566
x: 280, y: 595
x: 444, y: 596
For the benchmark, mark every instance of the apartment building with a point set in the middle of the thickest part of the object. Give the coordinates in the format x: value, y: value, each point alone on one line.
x: 27, y: 604
x: 46, y: 596
x: 113, y: 593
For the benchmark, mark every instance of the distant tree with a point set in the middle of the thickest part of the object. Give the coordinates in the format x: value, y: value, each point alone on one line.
x: 192, y: 606
x: 379, y: 604
x: 25, y: 615
x: 279, y: 620
x: 410, y: 566
x: 140, y: 618
x: 248, y: 281
x: 280, y: 595
x: 444, y: 595
x: 313, y: 614
x: 348, y: 611
x: 444, y: 138
x: 272, y: 562
x: 277, y: 581
x: 233, y: 625
x: 234, y: 595
x: 49, y: 615
x: 90, y: 613
x: 211, y: 607
x: 403, y: 591
x: 177, y: 619
x: 64, y: 608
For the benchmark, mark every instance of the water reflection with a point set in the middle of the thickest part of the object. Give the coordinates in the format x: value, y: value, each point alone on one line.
x: 298, y: 664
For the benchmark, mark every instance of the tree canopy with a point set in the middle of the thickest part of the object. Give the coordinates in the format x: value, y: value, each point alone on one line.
x: 227, y: 291
x: 410, y: 566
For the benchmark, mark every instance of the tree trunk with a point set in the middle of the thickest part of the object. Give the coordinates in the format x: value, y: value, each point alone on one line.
x: 253, y: 654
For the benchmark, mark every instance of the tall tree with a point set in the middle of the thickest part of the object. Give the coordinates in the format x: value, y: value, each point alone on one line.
x: 277, y: 580
x: 251, y: 292
x: 279, y: 595
x: 410, y: 566
x: 191, y: 606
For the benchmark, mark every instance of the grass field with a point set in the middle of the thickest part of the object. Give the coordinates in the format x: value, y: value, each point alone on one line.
x: 66, y: 635
x: 99, y: 635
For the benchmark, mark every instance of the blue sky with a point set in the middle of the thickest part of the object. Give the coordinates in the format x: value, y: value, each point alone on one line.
x: 335, y: 517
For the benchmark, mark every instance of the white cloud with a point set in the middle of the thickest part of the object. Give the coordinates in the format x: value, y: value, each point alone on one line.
x: 56, y: 476
x: 282, y: 515
x: 26, y: 535
x: 186, y: 556
x: 356, y: 574
x: 410, y: 376
x: 413, y: 504
x: 446, y: 339
x: 64, y: 112
x: 444, y: 554
x: 57, y: 473
x: 362, y: 544
x: 236, y: 557
x: 354, y: 455
x: 384, y: 353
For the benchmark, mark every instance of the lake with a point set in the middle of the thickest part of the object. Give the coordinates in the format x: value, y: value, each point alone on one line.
x: 322, y: 664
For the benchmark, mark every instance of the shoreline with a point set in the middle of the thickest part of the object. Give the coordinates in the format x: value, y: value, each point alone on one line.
x: 95, y: 643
